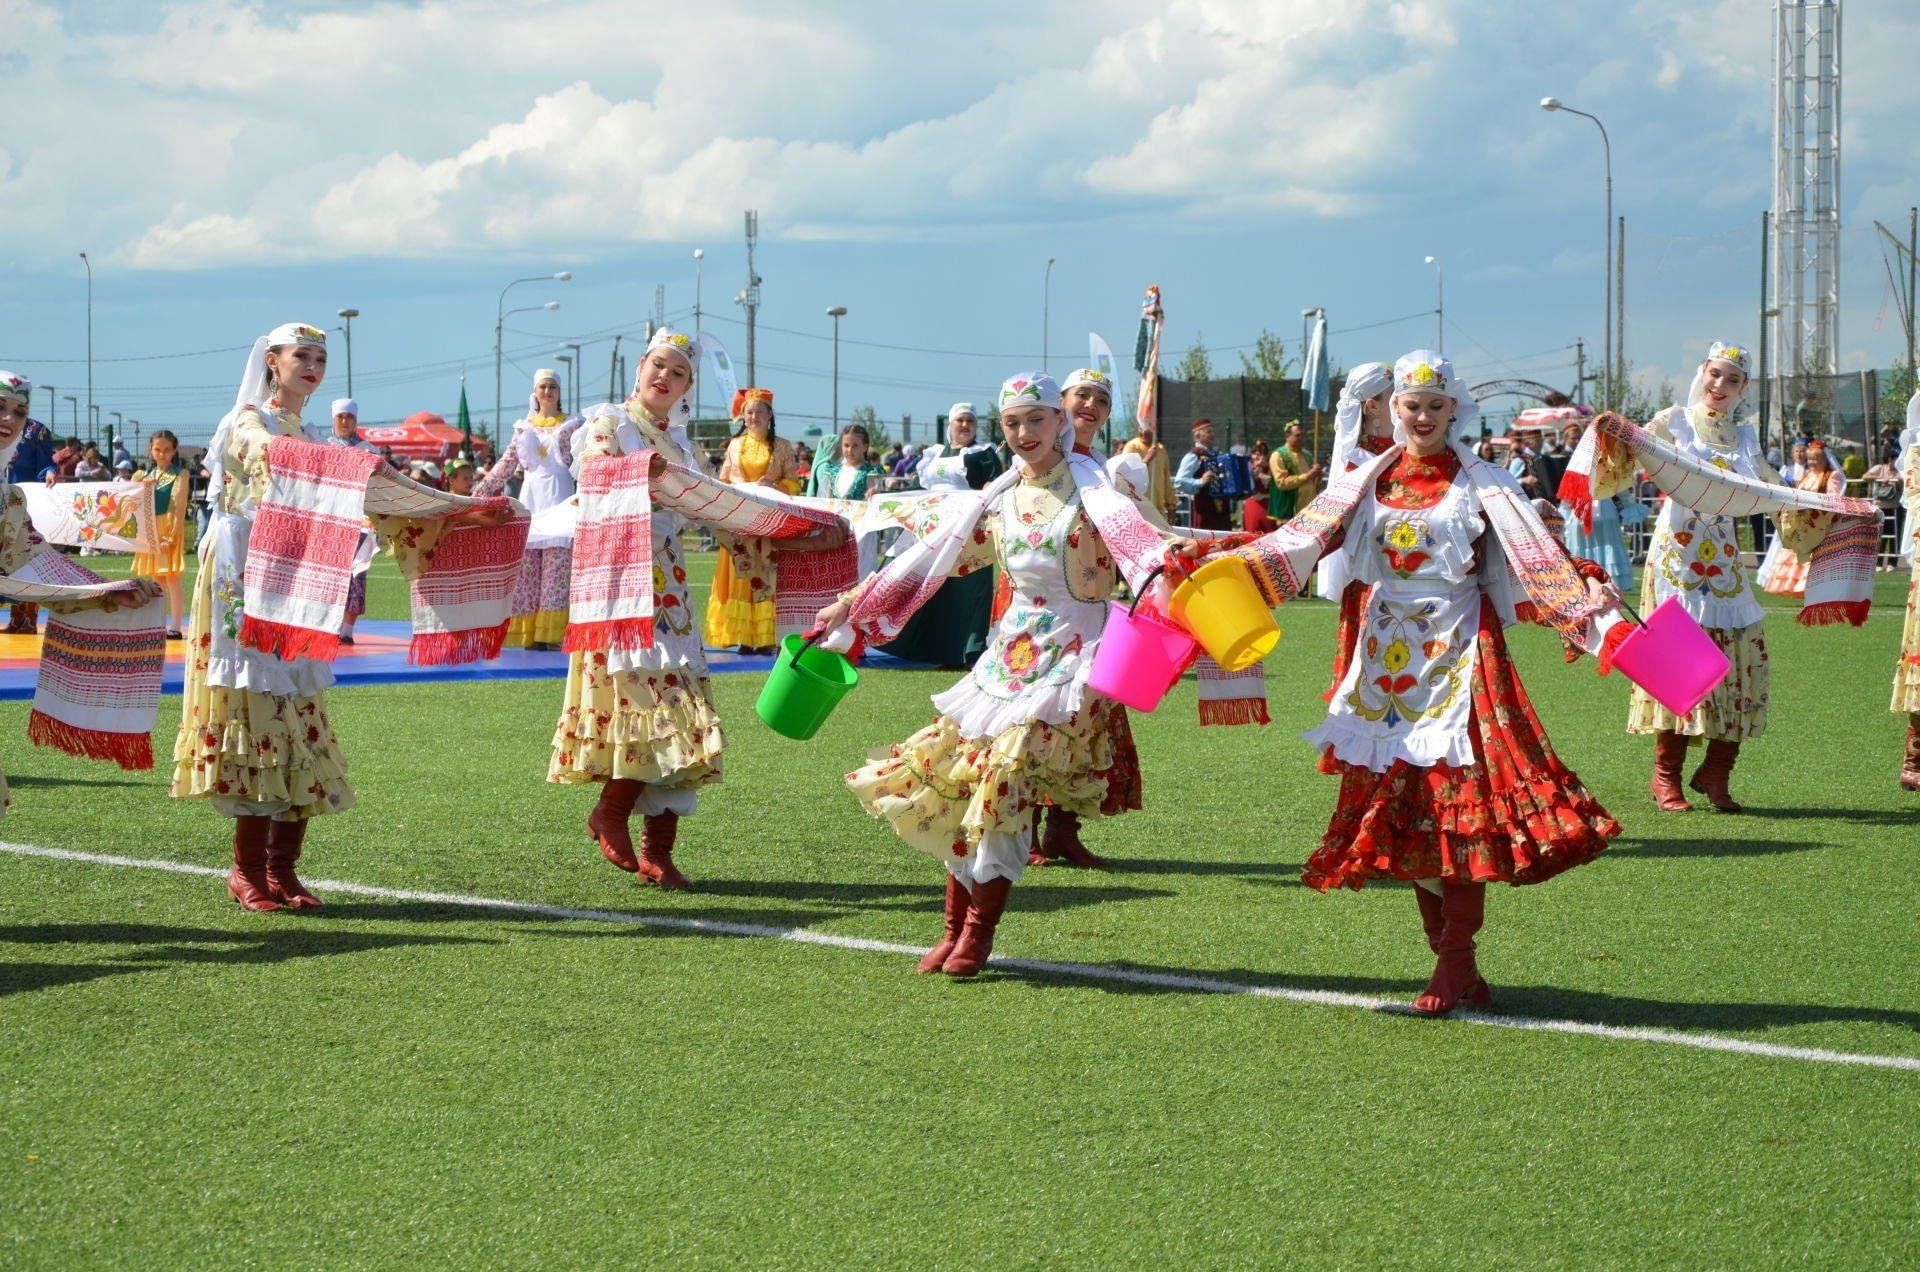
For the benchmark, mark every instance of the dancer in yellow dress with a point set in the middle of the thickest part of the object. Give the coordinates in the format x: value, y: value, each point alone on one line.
x: 167, y: 564
x: 740, y: 603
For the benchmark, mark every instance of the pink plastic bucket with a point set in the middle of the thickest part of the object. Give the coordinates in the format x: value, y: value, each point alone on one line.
x: 1139, y: 658
x: 1672, y: 657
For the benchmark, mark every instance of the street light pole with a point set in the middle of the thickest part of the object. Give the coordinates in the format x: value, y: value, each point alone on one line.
x: 1615, y: 358
x: 567, y: 359
x: 349, y: 315
x: 89, y: 265
x: 836, y: 313
x: 1046, y: 307
x: 576, y: 367
x: 499, y: 330
x: 699, y: 255
x: 75, y: 403
x: 1439, y: 305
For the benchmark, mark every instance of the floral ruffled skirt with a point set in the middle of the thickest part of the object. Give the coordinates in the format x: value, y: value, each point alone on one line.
x: 540, y: 598
x: 657, y: 727
x: 1515, y: 815
x: 1906, y: 670
x: 942, y: 793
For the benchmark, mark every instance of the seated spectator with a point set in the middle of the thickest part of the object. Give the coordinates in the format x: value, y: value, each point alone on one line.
x: 90, y: 467
x: 65, y: 460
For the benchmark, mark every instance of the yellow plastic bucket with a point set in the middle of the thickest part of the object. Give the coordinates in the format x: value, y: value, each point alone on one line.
x: 1219, y: 604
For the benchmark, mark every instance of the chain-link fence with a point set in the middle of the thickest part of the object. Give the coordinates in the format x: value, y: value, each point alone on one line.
x: 1844, y: 408
x: 1242, y: 410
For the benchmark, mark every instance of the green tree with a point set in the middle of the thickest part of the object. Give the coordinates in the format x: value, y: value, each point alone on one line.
x: 1896, y: 386
x: 1196, y: 365
x: 1269, y: 360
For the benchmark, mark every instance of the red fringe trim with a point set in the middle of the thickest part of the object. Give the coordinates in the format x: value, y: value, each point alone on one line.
x: 287, y: 641
x: 1616, y: 636
x: 614, y: 633
x: 445, y: 649
x: 1830, y: 612
x: 1576, y: 491
x: 128, y: 750
x: 1234, y: 711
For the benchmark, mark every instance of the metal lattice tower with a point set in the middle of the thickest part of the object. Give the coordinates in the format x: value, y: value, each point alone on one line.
x: 1806, y: 185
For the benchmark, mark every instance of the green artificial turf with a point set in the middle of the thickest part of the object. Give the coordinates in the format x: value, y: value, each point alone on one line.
x: 391, y: 1082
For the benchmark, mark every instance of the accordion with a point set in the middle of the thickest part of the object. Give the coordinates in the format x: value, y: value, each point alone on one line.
x: 1236, y: 476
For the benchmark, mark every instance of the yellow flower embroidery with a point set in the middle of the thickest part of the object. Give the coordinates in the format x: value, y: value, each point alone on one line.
x: 1403, y: 536
x: 1397, y: 657
x: 1424, y: 374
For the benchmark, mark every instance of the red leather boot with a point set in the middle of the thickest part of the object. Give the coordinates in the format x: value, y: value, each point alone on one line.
x: 607, y: 823
x: 1062, y: 841
x: 1910, y: 767
x: 657, y: 834
x: 283, y: 850
x: 1669, y: 755
x: 247, y: 882
x: 957, y: 905
x: 1036, y: 840
x: 988, y: 902
x: 1710, y: 779
x: 1463, y: 907
x: 1479, y: 994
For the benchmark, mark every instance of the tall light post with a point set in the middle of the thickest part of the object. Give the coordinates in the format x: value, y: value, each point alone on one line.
x: 499, y: 327
x: 349, y: 315
x: 1439, y: 305
x: 836, y: 313
x: 699, y: 255
x: 1615, y: 358
x: 74, y: 402
x: 53, y: 409
x: 89, y: 264
x: 565, y: 359
x: 1046, y: 314
x: 578, y: 364
x: 115, y: 431
x: 135, y: 426
x: 93, y: 427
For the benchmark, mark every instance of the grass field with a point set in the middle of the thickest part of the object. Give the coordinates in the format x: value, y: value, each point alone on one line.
x: 398, y: 1081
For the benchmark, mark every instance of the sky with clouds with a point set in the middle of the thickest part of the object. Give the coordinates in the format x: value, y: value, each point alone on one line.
x: 230, y: 166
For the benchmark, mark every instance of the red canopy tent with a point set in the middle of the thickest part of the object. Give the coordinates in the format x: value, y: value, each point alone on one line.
x: 422, y: 435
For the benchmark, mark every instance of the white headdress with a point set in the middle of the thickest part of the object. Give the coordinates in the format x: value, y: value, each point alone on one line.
x: 346, y: 406
x: 1029, y: 388
x: 15, y: 385
x: 253, y: 392
x: 961, y: 408
x: 540, y: 377
x: 1368, y: 380
x: 1429, y: 371
x: 1734, y: 356
x: 1089, y: 377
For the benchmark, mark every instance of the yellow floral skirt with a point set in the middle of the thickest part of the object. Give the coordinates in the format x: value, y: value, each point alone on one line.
x: 942, y: 793
x: 1735, y: 711
x: 1906, y: 671
x: 657, y: 727
x: 740, y: 603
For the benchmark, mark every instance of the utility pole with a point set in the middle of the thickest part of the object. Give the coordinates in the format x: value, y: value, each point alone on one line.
x: 749, y: 297
x: 1913, y: 241
x: 699, y: 255
x: 1620, y: 313
x: 1580, y: 371
x: 89, y: 265
x: 1766, y: 324
x: 613, y: 372
x: 1046, y: 306
x: 349, y: 315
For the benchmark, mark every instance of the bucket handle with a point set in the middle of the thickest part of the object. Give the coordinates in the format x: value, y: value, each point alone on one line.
x: 1146, y: 584
x: 806, y: 642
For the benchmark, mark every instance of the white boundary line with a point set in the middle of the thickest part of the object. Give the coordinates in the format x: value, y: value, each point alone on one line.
x: 1084, y: 971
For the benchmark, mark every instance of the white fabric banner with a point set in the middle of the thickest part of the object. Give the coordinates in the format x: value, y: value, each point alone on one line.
x: 112, y: 516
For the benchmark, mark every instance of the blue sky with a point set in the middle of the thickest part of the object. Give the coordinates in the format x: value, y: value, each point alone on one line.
x: 233, y: 166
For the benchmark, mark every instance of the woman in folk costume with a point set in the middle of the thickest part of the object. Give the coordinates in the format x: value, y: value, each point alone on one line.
x: 1605, y: 542
x: 1906, y: 668
x: 346, y: 432
x: 20, y: 543
x: 741, y: 601
x: 1087, y: 397
x: 1362, y: 428
x: 167, y: 563
x: 953, y: 628
x: 539, y: 452
x: 1783, y: 571
x: 640, y: 721
x: 255, y: 740
x: 1447, y: 779
x: 1022, y: 729
x: 1695, y: 556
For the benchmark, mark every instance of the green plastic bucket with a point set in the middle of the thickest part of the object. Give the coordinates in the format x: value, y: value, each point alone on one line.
x: 803, y: 688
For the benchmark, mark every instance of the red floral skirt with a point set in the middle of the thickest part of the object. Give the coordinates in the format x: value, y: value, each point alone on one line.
x: 1123, y: 775
x: 1515, y: 815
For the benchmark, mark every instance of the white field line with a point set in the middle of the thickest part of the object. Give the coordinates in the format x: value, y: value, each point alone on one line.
x: 1083, y: 971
